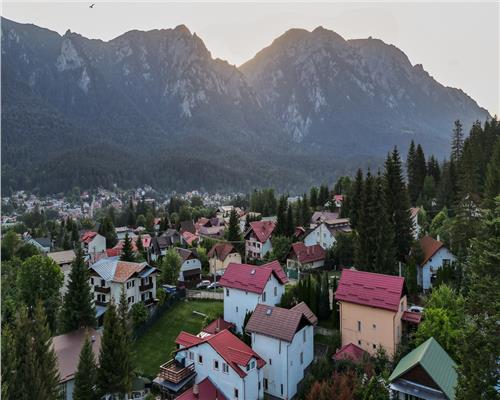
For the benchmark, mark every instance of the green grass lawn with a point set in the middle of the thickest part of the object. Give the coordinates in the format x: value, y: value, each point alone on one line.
x: 155, y: 347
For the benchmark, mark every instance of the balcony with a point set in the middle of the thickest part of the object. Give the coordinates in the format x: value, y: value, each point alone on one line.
x: 102, y: 289
x: 148, y: 286
x: 101, y: 303
x: 149, y: 301
x: 172, y: 371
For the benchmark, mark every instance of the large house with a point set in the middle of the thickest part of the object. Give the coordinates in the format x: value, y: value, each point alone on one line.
x: 67, y: 348
x: 190, y: 265
x: 285, y: 339
x: 64, y: 259
x: 219, y: 364
x: 322, y: 216
x: 373, y: 309
x: 109, y: 276
x: 435, y: 256
x: 93, y: 243
x: 160, y: 244
x: 220, y: 256
x: 42, y: 244
x: 426, y: 373
x: 258, y: 239
x: 324, y: 233
x: 246, y: 285
x: 302, y: 257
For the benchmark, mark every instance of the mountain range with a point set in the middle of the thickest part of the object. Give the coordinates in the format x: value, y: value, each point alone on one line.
x: 156, y: 108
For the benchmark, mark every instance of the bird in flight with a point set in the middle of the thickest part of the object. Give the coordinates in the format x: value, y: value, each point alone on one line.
x: 92, y: 5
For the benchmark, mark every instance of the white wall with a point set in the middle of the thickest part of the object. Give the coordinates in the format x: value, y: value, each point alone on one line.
x: 97, y: 245
x: 434, y: 263
x: 320, y: 235
x: 238, y: 302
x: 283, y: 360
x: 188, y: 265
x: 248, y: 387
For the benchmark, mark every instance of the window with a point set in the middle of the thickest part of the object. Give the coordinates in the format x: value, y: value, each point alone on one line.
x: 252, y: 365
x: 91, y: 281
x: 270, y: 361
x: 216, y: 365
x: 302, y: 357
x: 281, y: 389
x: 248, y: 367
x: 401, y: 308
x: 275, y: 291
x: 200, y: 359
x: 263, y: 296
x: 191, y: 355
x: 227, y: 292
x: 236, y: 308
x: 359, y: 342
x: 235, y: 393
x: 225, y: 368
x: 359, y: 326
x: 103, y: 283
x: 265, y: 383
x: 130, y: 300
x: 304, y: 335
x: 374, y: 326
x: 279, y: 350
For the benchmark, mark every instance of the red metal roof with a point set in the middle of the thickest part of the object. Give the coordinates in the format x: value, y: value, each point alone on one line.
x: 350, y: 352
x: 206, y: 391
x: 370, y: 289
x: 88, y: 236
x: 217, y: 325
x: 307, y: 254
x: 412, y: 317
x: 429, y: 247
x: 262, y: 229
x: 252, y: 278
x: 234, y: 351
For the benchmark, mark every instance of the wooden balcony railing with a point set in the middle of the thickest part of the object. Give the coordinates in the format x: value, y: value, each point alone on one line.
x: 101, y: 289
x: 174, y: 372
x: 101, y: 303
x: 148, y: 286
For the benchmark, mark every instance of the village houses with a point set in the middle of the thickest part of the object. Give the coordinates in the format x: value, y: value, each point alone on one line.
x: 64, y: 259
x: 373, y: 310
x: 93, y: 243
x: 258, y: 239
x: 246, y: 285
x: 304, y: 258
x: 324, y: 233
x: 285, y: 339
x: 435, y: 256
x: 220, y: 256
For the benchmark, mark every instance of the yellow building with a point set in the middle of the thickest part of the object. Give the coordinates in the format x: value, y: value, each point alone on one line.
x: 220, y: 256
x: 373, y: 309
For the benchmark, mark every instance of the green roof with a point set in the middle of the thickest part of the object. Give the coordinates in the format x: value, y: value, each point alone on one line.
x: 435, y: 361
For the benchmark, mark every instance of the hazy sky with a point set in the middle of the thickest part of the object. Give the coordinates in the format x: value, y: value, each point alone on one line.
x: 457, y: 42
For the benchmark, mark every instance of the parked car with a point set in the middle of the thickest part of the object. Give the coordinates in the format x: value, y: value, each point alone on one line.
x: 214, y: 285
x: 203, y: 284
x: 416, y: 309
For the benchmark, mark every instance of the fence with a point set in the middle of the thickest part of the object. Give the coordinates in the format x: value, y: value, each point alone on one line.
x: 158, y: 311
x: 204, y: 294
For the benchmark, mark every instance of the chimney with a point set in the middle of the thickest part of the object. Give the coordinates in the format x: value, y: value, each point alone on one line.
x: 438, y: 239
x: 196, y: 390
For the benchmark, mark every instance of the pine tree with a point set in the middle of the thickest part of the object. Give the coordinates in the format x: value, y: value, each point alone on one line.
x: 356, y: 199
x: 127, y: 250
x: 457, y: 142
x: 107, y: 229
x: 397, y: 206
x: 492, y: 185
x: 420, y: 170
x: 86, y: 374
x: 385, y: 245
x: 8, y: 362
x: 433, y: 169
x: 114, y: 374
x: 290, y: 225
x: 313, y: 196
x: 78, y: 306
x: 130, y: 213
x: 306, y: 211
x: 478, y: 352
x: 140, y: 248
x: 281, y: 216
x: 410, y: 172
x: 366, y: 229
x: 323, y: 195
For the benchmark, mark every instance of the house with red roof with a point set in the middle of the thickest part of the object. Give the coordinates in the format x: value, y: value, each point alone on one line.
x: 93, y: 243
x: 373, y: 310
x: 190, y: 265
x: 302, y: 257
x: 325, y: 232
x: 231, y: 367
x: 246, y: 285
x: 350, y: 352
x: 285, y: 339
x: 258, y: 239
x: 220, y: 256
x: 435, y: 256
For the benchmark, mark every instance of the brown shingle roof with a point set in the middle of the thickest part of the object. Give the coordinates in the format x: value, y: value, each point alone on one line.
x: 429, y: 247
x: 277, y: 322
x: 68, y: 347
x: 221, y: 251
x: 63, y: 257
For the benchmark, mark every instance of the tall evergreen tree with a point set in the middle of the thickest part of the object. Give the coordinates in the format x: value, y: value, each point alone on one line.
x: 78, y: 306
x: 290, y: 224
x: 140, y: 248
x: 107, y: 229
x: 479, y: 349
x: 492, y: 185
x: 130, y: 213
x: 433, y: 169
x: 356, y: 199
x: 420, y: 171
x: 86, y: 374
x: 313, y: 196
x: 397, y: 205
x: 366, y: 229
x: 385, y: 245
x: 410, y: 172
x: 306, y: 210
x: 127, y: 250
x: 323, y: 195
x: 114, y: 374
x: 457, y: 142
x: 281, y: 216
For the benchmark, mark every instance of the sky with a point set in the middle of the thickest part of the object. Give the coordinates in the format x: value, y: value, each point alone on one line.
x: 458, y: 43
